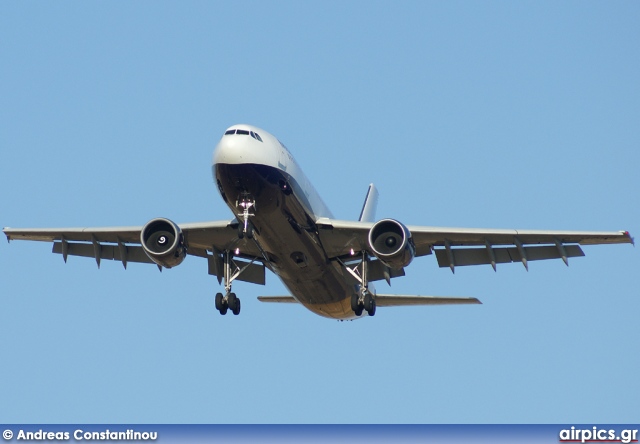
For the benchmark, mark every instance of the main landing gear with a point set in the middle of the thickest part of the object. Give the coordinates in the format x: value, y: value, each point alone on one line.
x: 364, y: 300
x: 361, y: 303
x: 229, y: 301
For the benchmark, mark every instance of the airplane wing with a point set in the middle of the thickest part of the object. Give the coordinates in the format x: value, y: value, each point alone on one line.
x: 470, y: 246
x: 203, y: 239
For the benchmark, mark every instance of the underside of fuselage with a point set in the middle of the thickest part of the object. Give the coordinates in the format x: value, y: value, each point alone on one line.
x: 285, y: 230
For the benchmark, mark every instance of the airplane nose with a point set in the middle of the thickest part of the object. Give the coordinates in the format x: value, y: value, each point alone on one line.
x: 226, y: 151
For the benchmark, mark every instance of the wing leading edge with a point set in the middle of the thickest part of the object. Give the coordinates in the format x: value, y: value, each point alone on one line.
x: 471, y: 246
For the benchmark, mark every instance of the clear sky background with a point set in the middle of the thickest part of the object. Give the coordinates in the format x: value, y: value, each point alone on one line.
x: 469, y: 114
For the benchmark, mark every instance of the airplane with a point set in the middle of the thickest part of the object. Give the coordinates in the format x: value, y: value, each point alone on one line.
x: 281, y: 224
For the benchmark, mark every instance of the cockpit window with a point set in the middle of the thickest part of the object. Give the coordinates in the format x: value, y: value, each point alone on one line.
x: 243, y: 133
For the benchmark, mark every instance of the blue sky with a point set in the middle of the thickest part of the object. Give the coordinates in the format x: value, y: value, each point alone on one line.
x: 469, y: 114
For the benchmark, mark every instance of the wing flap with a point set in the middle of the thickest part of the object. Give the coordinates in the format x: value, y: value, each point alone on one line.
x: 478, y: 256
x: 108, y: 252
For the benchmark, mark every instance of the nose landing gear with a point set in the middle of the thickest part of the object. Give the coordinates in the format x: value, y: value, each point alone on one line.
x: 245, y: 203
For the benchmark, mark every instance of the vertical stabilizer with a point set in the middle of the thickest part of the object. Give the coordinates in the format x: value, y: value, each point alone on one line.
x: 368, y: 212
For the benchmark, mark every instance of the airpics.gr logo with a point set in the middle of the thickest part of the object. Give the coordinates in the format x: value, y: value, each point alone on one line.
x: 598, y: 435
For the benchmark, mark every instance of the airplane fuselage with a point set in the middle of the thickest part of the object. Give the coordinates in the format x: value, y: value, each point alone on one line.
x: 283, y: 220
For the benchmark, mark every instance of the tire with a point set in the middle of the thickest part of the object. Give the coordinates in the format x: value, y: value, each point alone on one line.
x: 236, y: 309
x: 372, y: 309
x: 224, y: 310
x: 358, y: 312
x: 231, y: 300
x: 354, y: 302
x: 368, y: 300
x: 218, y: 301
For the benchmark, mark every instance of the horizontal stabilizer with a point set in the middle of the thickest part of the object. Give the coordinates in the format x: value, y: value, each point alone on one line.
x: 392, y: 300
x: 281, y: 299
x: 397, y: 300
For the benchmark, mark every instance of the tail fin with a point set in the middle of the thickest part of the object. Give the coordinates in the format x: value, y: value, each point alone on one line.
x: 368, y: 212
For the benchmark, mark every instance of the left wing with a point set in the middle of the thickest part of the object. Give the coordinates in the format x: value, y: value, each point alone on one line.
x: 203, y: 239
x: 470, y: 246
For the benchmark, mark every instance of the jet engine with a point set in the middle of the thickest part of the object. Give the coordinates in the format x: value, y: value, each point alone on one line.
x: 163, y: 242
x: 392, y: 244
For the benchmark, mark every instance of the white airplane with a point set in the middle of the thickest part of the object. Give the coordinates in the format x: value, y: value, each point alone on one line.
x: 281, y: 223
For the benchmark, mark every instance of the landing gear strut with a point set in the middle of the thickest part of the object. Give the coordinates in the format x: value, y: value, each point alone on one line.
x: 245, y: 203
x: 364, y: 300
x: 229, y: 301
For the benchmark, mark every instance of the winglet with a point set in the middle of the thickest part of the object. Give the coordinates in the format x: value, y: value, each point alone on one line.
x: 368, y: 212
x: 627, y: 234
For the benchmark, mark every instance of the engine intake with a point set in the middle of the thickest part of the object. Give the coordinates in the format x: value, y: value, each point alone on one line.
x: 163, y: 241
x: 391, y: 243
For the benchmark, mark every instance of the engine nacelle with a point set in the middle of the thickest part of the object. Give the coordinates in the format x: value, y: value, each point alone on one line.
x: 392, y: 244
x: 163, y: 242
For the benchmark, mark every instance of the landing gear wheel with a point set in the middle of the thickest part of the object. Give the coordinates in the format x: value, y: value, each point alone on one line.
x: 236, y: 310
x: 234, y: 303
x: 223, y: 310
x: 231, y: 300
x: 371, y: 311
x: 218, y: 301
x: 354, y: 302
x: 240, y: 232
x: 358, y: 312
x: 367, y: 302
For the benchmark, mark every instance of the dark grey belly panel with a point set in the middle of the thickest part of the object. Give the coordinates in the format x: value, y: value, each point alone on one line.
x: 286, y: 231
